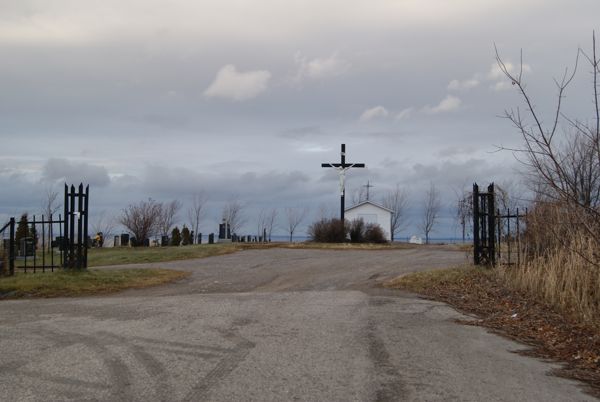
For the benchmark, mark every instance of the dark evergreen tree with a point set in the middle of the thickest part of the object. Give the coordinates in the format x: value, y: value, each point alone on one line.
x: 186, y: 237
x: 175, y: 237
x: 22, y: 230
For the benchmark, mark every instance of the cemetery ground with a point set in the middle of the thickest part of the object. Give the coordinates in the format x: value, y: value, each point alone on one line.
x: 271, y: 324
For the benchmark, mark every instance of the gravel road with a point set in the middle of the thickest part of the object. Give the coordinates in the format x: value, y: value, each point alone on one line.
x: 267, y: 325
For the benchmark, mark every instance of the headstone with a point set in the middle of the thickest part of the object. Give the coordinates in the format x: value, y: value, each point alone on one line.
x: 223, y: 234
x: 199, y: 238
x: 211, y: 238
x: 117, y: 241
x: 27, y: 248
x: 59, y: 242
x: 124, y: 240
x: 164, y: 241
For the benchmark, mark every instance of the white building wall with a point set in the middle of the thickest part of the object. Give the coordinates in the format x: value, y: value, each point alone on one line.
x: 372, y: 214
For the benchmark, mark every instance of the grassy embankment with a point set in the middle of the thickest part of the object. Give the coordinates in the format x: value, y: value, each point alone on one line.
x: 95, y: 281
x: 140, y: 255
x: 86, y: 283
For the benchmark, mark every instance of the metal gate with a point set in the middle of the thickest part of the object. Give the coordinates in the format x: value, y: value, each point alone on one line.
x: 484, y: 222
x: 497, y: 236
x: 50, y: 242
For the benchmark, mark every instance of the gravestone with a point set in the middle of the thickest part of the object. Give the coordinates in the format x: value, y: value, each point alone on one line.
x: 199, y: 238
x: 117, y: 241
x: 211, y: 238
x: 124, y: 240
x: 164, y: 241
x: 223, y: 233
x: 27, y: 247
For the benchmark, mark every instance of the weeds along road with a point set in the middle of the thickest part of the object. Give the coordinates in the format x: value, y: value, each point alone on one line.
x: 267, y: 325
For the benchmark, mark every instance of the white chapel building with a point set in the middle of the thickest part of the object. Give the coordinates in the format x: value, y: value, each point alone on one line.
x: 371, y: 212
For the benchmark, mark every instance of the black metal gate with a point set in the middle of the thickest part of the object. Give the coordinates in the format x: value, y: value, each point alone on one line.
x: 76, y: 242
x: 484, y: 222
x: 497, y: 236
x: 511, y: 244
x: 49, y: 242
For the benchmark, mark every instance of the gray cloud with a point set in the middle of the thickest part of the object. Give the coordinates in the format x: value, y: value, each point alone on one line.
x: 116, y: 96
x: 75, y: 172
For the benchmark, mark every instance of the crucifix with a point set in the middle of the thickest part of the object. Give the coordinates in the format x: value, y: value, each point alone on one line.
x: 342, y: 167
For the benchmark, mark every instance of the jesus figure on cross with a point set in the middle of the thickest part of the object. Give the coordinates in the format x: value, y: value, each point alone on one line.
x: 342, y: 167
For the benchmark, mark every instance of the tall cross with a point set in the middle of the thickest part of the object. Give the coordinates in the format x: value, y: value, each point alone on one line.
x: 342, y: 167
x: 368, y: 186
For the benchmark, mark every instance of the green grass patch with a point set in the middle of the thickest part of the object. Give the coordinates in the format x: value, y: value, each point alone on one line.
x: 85, y: 283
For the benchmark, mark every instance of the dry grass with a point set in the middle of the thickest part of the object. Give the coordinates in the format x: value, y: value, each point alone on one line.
x: 422, y: 282
x: 347, y: 246
x: 138, y: 255
x: 563, y: 278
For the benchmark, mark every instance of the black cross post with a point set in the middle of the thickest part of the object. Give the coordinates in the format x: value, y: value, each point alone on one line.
x: 342, y: 167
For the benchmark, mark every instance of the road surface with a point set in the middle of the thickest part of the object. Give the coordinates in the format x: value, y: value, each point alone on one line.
x: 267, y: 325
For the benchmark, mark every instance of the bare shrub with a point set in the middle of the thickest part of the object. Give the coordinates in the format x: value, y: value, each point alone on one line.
x: 328, y: 231
x: 374, y: 234
x: 357, y: 231
x: 365, y: 233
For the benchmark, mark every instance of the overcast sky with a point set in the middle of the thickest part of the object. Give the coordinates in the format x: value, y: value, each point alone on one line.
x: 161, y: 99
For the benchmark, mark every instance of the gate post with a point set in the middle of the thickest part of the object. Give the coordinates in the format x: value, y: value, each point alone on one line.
x: 11, y: 247
x: 476, y: 240
x: 65, y: 238
x: 491, y: 225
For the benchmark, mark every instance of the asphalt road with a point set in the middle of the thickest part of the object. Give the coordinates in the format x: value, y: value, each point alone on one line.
x: 267, y: 325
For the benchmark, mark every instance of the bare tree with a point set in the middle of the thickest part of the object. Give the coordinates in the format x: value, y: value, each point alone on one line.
x: 105, y: 225
x: 563, y: 155
x: 397, y: 201
x: 142, y: 219
x: 233, y: 215
x: 266, y: 222
x: 464, y: 211
x: 294, y: 216
x: 50, y: 206
x: 168, y: 215
x: 431, y: 210
x: 197, y: 211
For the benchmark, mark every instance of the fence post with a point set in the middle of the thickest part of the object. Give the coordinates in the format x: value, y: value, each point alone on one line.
x: 65, y: 240
x: 491, y: 224
x: 85, y: 225
x: 518, y: 240
x: 11, y: 248
x: 499, y: 230
x: 476, y: 239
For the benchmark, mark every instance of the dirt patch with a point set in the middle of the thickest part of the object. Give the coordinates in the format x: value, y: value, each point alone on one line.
x: 551, y: 335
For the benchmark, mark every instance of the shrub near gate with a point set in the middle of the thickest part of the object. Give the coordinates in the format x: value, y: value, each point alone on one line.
x: 335, y: 231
